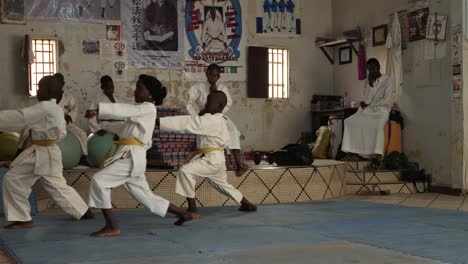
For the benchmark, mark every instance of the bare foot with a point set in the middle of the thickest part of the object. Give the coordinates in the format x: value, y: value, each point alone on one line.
x: 193, y: 212
x: 187, y: 217
x: 19, y: 225
x: 88, y: 215
x: 243, y: 169
x: 106, y: 231
x: 248, y: 208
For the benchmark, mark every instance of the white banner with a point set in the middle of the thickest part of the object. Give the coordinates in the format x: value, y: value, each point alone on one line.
x: 215, y: 34
x: 154, y: 31
x: 75, y: 10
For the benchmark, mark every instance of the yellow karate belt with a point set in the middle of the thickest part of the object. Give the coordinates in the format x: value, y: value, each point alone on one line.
x: 121, y: 142
x: 201, y: 151
x: 42, y: 143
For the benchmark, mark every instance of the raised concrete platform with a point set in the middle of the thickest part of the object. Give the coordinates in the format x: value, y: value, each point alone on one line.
x: 261, y: 185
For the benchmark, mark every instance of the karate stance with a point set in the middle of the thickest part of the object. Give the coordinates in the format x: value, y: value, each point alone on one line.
x: 196, y: 101
x: 41, y: 159
x: 209, y: 162
x: 128, y: 165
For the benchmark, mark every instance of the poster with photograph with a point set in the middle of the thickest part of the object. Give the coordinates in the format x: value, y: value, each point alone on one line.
x: 154, y: 30
x: 113, y: 32
x: 418, y: 4
x: 214, y: 31
x: 457, y: 83
x: 91, y: 47
x: 12, y: 11
x: 78, y: 10
x: 278, y: 17
x: 436, y: 27
x: 417, y: 22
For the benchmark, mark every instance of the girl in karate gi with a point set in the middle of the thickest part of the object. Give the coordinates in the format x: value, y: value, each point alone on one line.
x: 127, y: 166
x: 41, y: 159
x: 209, y: 161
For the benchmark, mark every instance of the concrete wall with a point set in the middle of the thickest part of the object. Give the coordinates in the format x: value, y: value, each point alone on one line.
x: 432, y: 132
x: 265, y: 124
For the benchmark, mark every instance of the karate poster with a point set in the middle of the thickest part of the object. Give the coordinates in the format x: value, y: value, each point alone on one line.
x: 75, y: 10
x: 417, y: 22
x: 215, y: 34
x: 278, y: 17
x: 154, y: 31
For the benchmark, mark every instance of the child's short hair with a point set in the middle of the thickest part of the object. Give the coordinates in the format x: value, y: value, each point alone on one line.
x: 213, y: 67
x: 157, y: 90
x: 105, y: 78
x: 59, y: 77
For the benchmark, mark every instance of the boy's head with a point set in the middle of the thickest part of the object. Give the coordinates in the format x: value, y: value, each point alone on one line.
x: 107, y: 85
x: 373, y: 66
x: 149, y: 89
x: 60, y: 79
x: 216, y: 102
x: 48, y: 88
x: 213, y: 73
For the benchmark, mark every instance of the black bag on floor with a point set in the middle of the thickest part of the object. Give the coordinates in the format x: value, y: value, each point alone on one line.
x: 417, y: 176
x: 292, y: 155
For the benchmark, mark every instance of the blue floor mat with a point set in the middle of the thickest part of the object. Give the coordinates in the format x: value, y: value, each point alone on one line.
x: 434, y: 234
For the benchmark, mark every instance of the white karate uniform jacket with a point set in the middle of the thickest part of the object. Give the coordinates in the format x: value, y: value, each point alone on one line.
x: 44, y: 121
x: 128, y: 165
x: 114, y: 125
x: 364, y: 131
x: 196, y: 101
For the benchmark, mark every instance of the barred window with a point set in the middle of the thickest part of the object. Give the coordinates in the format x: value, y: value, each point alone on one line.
x: 45, y: 61
x: 278, y: 73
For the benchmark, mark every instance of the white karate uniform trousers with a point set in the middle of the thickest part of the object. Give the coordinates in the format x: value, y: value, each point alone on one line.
x: 116, y: 174
x: 17, y: 184
x: 82, y: 137
x: 215, y: 174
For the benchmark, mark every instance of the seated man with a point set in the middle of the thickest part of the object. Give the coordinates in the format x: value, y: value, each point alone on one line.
x: 364, y: 131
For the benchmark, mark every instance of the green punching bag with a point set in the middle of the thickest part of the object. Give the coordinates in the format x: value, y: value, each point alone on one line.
x: 99, y: 146
x: 71, y: 150
x: 8, y: 145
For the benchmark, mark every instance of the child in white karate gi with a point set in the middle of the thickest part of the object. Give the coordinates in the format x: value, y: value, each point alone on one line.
x: 209, y: 161
x: 128, y: 165
x: 41, y: 159
x: 196, y: 101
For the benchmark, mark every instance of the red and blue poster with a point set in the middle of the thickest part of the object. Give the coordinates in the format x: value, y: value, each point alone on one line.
x: 214, y: 32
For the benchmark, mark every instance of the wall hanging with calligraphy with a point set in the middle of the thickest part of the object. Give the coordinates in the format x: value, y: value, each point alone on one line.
x: 154, y: 31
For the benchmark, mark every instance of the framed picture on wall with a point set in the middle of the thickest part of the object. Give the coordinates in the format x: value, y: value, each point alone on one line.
x: 12, y: 11
x: 436, y: 27
x: 345, y: 55
x: 379, y: 35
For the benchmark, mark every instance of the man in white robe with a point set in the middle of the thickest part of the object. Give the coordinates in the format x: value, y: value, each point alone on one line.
x: 214, y: 37
x: 196, y: 101
x: 364, y: 131
x: 209, y: 162
x: 70, y: 108
x: 128, y: 165
x: 41, y: 160
x: 101, y: 127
